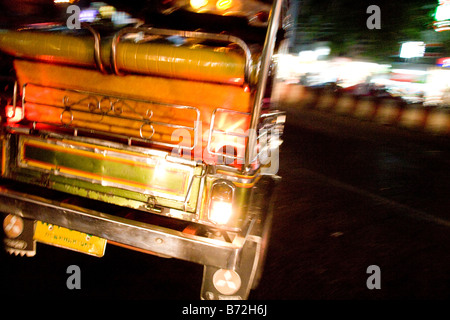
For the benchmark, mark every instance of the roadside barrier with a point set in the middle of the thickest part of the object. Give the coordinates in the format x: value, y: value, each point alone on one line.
x: 345, y: 105
x: 438, y: 122
x: 390, y: 112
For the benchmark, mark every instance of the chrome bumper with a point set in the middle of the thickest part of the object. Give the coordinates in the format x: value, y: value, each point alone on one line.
x: 161, y: 240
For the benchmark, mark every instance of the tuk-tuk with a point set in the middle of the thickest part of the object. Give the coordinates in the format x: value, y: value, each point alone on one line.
x: 158, y: 135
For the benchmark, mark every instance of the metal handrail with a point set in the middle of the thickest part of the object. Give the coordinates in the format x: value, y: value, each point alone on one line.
x: 97, y: 48
x: 84, y: 25
x: 266, y: 58
x: 185, y: 34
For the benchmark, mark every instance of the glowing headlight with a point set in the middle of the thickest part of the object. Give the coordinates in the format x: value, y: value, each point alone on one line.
x: 220, y: 211
x: 221, y: 202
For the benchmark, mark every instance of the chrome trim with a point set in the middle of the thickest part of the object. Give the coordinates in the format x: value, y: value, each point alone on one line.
x: 97, y: 47
x: 213, y: 131
x: 236, y: 179
x: 58, y: 25
x: 103, y: 143
x: 140, y: 235
x: 266, y: 59
x: 109, y: 144
x: 183, y: 198
x: 16, y: 85
x: 200, y: 180
x: 185, y: 34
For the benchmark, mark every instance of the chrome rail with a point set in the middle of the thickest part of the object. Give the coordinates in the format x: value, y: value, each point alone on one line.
x: 84, y: 25
x: 266, y: 59
x: 97, y: 47
x: 141, y: 235
x: 213, y: 131
x: 184, y: 34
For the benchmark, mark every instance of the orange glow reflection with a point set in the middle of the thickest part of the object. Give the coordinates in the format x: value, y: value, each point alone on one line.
x: 14, y: 115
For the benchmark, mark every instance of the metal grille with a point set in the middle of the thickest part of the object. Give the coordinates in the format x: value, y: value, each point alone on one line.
x: 121, y: 117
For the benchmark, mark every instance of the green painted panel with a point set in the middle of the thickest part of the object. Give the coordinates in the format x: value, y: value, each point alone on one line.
x: 172, y: 181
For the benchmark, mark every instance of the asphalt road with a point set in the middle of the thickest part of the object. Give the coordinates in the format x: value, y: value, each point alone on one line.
x: 353, y: 195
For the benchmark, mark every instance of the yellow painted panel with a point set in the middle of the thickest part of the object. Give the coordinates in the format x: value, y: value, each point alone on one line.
x: 185, y: 62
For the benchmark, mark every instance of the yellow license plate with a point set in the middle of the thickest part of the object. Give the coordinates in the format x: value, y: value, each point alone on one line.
x: 69, y: 239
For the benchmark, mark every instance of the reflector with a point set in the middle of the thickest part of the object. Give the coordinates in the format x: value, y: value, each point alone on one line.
x: 197, y: 4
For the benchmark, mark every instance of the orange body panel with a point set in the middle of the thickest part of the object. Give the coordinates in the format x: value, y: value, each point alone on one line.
x: 45, y: 104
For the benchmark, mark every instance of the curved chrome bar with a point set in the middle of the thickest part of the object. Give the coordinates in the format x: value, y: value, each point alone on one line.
x: 184, y: 34
x: 266, y: 59
x: 85, y: 25
x: 97, y: 52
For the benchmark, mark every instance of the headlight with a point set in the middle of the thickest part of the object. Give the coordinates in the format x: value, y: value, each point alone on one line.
x: 221, y: 202
x: 220, y: 211
x: 13, y: 114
